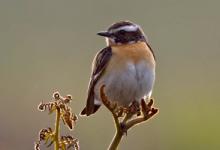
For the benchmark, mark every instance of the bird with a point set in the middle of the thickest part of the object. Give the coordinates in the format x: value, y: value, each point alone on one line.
x: 126, y: 66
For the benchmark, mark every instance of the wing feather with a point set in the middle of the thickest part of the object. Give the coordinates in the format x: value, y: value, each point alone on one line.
x: 100, y: 62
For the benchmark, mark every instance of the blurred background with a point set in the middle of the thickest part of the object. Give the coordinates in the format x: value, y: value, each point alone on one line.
x: 48, y: 45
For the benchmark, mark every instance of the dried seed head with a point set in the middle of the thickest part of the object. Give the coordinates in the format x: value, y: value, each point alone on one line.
x: 69, y: 142
x: 67, y: 119
x: 51, y: 106
x: 69, y: 96
x: 49, y: 129
x: 66, y: 100
x: 37, y: 145
x: 56, y: 95
x: 41, y: 107
x: 62, y: 106
x: 42, y: 136
x: 44, y: 132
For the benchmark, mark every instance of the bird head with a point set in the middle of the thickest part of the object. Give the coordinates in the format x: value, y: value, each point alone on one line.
x: 123, y: 32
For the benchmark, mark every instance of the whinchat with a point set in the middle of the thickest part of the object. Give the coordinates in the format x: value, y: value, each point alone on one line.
x: 126, y: 67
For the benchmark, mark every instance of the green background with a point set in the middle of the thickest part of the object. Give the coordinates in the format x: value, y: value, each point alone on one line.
x: 48, y: 45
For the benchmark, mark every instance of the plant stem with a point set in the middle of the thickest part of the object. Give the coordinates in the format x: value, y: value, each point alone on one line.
x: 118, y: 134
x: 116, y: 140
x: 57, y: 128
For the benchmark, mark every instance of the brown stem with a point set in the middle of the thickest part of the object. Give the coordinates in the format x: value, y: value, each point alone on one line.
x: 139, y: 120
x: 118, y: 134
x: 116, y: 140
x: 57, y: 128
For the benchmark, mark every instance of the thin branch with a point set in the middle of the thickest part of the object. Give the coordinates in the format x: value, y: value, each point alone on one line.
x: 118, y: 135
x: 139, y: 120
x: 110, y: 106
x: 128, y: 121
x: 57, y: 128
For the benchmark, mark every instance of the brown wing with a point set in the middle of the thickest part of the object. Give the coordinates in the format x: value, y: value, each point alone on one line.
x: 100, y: 62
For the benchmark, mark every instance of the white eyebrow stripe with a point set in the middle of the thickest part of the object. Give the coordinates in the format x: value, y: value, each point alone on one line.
x: 128, y: 28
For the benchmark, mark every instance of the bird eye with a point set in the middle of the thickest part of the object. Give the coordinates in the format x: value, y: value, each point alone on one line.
x: 122, y: 32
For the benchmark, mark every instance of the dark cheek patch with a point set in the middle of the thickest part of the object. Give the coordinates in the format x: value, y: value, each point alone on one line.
x: 126, y: 38
x: 122, y: 39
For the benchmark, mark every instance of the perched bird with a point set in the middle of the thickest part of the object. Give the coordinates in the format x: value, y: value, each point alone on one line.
x: 126, y: 67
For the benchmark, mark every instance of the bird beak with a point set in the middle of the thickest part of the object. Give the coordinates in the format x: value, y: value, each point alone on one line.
x: 104, y: 33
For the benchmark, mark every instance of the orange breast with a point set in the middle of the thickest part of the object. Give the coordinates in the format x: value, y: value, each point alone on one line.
x: 136, y: 52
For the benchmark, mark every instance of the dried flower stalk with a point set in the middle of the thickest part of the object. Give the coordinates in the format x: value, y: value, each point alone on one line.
x: 59, y: 105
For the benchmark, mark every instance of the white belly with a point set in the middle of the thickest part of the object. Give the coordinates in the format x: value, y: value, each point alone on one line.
x: 133, y: 82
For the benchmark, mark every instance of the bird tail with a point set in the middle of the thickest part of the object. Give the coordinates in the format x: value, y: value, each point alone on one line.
x: 86, y: 112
